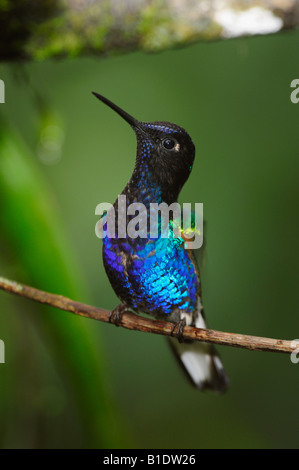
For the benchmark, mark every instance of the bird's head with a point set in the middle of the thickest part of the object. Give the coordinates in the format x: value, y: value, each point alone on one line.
x: 164, y: 149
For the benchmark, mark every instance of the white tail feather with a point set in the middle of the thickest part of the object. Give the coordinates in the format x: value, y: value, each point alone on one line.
x: 201, y: 362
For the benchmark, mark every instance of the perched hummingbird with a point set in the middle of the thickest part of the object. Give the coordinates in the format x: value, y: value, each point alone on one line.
x: 158, y: 276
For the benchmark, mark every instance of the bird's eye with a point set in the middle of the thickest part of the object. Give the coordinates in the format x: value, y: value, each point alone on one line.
x: 169, y: 144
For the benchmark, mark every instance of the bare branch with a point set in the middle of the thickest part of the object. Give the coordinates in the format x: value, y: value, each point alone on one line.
x: 131, y: 321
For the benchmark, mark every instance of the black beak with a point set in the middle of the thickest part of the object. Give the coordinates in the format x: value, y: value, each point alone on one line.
x: 132, y: 121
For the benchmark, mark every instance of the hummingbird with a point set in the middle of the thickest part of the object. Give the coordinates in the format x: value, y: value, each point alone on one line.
x: 158, y: 275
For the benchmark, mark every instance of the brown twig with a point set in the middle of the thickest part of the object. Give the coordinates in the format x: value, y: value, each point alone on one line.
x: 131, y: 321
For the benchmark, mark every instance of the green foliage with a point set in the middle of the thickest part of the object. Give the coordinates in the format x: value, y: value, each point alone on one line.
x: 35, y: 241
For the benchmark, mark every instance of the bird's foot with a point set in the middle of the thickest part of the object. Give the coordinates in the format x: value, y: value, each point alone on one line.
x: 179, y: 327
x: 116, y: 314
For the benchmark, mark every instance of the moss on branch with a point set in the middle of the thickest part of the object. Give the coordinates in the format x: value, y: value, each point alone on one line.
x: 38, y: 29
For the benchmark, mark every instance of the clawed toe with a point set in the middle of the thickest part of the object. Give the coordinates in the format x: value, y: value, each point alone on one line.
x: 179, y: 327
x: 116, y: 314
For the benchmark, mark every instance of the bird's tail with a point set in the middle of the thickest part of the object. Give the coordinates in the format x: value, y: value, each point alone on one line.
x: 201, y: 362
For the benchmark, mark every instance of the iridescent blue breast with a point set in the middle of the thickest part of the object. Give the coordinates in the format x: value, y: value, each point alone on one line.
x: 153, y: 276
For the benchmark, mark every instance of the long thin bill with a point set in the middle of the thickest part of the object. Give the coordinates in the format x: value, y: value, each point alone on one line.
x: 127, y: 117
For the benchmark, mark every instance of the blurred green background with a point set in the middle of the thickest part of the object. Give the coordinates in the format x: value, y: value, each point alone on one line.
x: 70, y: 382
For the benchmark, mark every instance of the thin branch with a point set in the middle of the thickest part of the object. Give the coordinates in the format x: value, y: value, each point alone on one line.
x: 131, y: 321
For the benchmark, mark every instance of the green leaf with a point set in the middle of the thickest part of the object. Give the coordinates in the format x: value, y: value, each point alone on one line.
x: 33, y: 232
